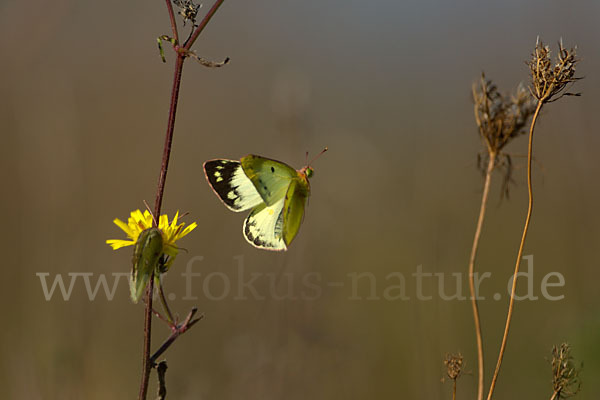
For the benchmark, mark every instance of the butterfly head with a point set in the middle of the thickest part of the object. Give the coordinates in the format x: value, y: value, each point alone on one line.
x: 308, y: 171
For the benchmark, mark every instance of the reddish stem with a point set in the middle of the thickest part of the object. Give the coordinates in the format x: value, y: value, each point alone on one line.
x: 188, y: 43
x: 180, y: 57
x: 147, y: 365
x: 173, y: 21
x: 176, y: 331
x: 169, y: 136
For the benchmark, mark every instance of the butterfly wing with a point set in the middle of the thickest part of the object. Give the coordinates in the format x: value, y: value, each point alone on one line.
x: 271, y: 178
x: 231, y: 185
x: 293, y: 208
x: 264, y: 226
x: 275, y: 191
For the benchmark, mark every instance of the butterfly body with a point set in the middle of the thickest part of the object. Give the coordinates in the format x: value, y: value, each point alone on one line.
x: 275, y: 192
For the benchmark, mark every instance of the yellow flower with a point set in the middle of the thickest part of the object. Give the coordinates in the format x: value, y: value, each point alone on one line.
x: 138, y: 222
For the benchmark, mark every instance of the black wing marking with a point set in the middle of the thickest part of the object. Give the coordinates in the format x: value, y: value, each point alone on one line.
x: 232, y: 186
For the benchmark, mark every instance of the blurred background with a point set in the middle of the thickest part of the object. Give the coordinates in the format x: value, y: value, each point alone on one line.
x: 386, y: 86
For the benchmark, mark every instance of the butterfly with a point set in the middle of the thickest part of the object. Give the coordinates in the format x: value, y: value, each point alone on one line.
x: 275, y: 192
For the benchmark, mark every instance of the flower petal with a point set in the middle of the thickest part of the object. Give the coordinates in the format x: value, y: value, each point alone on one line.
x: 117, y: 243
x: 137, y: 216
x: 187, y: 230
x: 147, y: 219
x: 124, y: 227
x: 174, y: 223
x: 163, y: 222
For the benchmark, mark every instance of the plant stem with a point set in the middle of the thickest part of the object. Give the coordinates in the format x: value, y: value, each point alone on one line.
x: 161, y: 370
x: 165, y: 305
x: 482, y: 209
x: 169, y: 136
x: 148, y: 363
x: 174, y: 29
x: 188, y: 43
x: 520, y: 253
x: 177, y: 331
x: 454, y: 389
x: 147, y: 366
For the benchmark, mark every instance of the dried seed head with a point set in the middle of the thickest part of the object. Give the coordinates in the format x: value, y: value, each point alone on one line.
x: 565, y: 376
x: 500, y: 118
x: 188, y: 10
x: 454, y: 365
x: 548, y: 82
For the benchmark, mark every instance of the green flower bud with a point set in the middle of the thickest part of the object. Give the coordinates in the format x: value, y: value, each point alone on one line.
x: 146, y: 257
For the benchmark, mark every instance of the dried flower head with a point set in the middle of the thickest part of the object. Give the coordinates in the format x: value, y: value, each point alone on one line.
x: 565, y: 376
x: 454, y: 365
x: 548, y: 82
x: 188, y: 10
x: 500, y: 118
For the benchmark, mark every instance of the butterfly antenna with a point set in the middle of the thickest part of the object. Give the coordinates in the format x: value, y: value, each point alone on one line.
x: 151, y: 213
x: 317, y: 156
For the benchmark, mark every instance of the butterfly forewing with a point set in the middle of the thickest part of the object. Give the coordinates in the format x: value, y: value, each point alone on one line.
x: 264, y: 226
x: 230, y: 183
x: 271, y: 178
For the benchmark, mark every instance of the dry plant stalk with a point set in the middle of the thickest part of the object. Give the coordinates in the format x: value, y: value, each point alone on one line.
x: 454, y: 367
x: 565, y: 376
x: 548, y: 84
x: 499, y: 120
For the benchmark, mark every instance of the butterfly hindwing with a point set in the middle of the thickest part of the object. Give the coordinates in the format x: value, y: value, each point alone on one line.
x: 264, y: 226
x: 232, y: 186
x: 271, y: 178
x: 293, y: 208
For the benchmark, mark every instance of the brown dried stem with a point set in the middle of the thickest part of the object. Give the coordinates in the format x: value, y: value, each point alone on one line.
x: 548, y: 84
x: 519, y: 254
x: 499, y: 120
x: 484, y: 199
